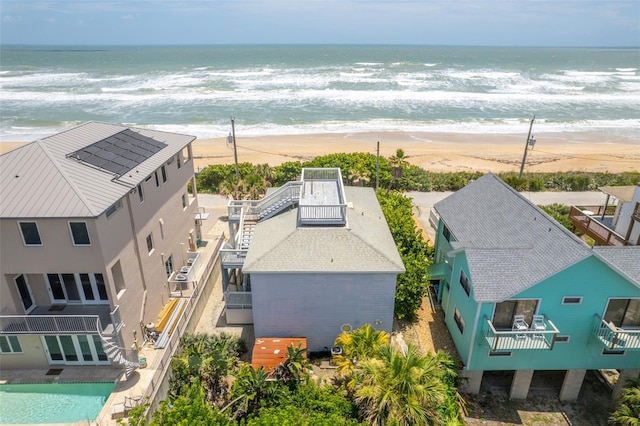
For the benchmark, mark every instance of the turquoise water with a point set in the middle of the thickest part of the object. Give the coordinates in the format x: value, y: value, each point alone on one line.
x: 52, y: 403
x: 276, y: 90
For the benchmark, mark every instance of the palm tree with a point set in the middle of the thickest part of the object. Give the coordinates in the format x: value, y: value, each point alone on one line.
x: 294, y: 368
x: 359, y: 176
x: 398, y: 162
x: 400, y: 388
x: 358, y: 344
x: 251, y: 385
x: 628, y: 413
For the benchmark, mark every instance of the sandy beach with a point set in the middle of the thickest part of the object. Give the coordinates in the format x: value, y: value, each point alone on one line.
x: 439, y: 152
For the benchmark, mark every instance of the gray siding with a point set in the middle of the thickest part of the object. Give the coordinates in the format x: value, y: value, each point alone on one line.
x: 316, y: 305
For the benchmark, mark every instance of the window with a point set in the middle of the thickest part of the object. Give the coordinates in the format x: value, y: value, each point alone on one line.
x: 446, y: 233
x: 168, y: 265
x: 140, y: 193
x: 163, y: 170
x: 458, y: 319
x: 563, y: 339
x: 10, y: 345
x: 464, y: 282
x: 184, y: 201
x: 114, y: 208
x: 571, y: 300
x: 610, y: 352
x: 79, y: 234
x: 186, y: 153
x: 170, y: 160
x: 178, y: 161
x: 623, y: 312
x: 148, y: 178
x: 30, y: 234
x: 155, y: 174
x: 150, y: 243
x: 504, y: 312
x: 118, y: 278
x: 491, y: 353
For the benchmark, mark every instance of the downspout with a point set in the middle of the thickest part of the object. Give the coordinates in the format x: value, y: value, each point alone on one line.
x: 473, y: 335
x: 137, y: 249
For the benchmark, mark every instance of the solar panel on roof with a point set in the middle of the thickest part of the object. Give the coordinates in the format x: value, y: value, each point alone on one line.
x: 119, y: 153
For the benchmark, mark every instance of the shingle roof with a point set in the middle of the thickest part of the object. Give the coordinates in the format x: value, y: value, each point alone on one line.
x: 510, y: 243
x: 38, y: 180
x: 364, y: 245
x: 626, y: 260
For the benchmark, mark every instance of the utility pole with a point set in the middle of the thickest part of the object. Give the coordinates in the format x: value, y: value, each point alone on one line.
x: 530, y: 141
x: 232, y: 139
x: 377, y: 164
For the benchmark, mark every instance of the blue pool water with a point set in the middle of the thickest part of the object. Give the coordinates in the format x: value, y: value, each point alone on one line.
x: 52, y: 403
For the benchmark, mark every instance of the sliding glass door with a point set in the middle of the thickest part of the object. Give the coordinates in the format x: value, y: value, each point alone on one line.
x: 72, y: 349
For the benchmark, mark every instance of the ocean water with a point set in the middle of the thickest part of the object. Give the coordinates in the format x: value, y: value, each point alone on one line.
x: 272, y: 90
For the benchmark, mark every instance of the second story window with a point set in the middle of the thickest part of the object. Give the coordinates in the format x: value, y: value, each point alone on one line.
x: 464, y: 282
x: 184, y: 201
x: 623, y: 312
x: 178, y: 161
x: 140, y: 193
x: 30, y: 234
x: 150, y: 243
x: 446, y: 233
x: 79, y: 234
x: 155, y: 174
x: 163, y: 170
x: 457, y: 317
x: 505, y: 312
x: 168, y: 266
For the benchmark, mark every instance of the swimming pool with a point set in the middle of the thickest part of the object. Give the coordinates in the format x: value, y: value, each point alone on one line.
x: 53, y: 402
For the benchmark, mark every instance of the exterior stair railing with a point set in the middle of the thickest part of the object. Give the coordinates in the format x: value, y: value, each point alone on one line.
x: 273, y: 203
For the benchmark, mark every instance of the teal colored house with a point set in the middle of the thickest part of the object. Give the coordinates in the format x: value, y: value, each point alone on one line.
x: 520, y: 292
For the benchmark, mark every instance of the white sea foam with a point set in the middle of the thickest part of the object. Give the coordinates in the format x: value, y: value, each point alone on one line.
x: 283, y: 94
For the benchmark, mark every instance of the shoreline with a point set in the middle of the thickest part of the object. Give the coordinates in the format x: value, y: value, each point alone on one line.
x: 437, y: 152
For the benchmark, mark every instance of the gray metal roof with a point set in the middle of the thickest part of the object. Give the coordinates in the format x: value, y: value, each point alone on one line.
x: 625, y: 260
x: 37, y: 180
x: 510, y: 243
x: 363, y: 245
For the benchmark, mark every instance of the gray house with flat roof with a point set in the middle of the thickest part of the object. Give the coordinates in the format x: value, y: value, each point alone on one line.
x: 310, y: 259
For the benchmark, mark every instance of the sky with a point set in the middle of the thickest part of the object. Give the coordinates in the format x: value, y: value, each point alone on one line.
x: 566, y: 23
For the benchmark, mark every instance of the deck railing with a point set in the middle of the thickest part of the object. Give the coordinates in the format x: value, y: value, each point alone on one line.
x: 288, y: 191
x: 596, y: 230
x: 50, y: 324
x: 615, y: 338
x: 508, y: 340
x: 238, y: 300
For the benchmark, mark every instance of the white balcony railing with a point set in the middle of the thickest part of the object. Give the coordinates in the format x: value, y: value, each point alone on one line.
x: 614, y: 338
x: 50, y: 324
x: 508, y: 340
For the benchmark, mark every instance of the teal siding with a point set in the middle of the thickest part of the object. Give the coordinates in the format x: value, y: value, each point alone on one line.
x: 590, y: 279
x: 466, y: 305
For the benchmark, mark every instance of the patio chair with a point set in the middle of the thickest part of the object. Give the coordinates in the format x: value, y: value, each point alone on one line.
x: 519, y: 324
x: 538, y: 324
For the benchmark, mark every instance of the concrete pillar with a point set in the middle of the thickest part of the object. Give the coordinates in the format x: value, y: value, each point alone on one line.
x: 571, y: 385
x: 470, y: 381
x: 520, y: 384
x: 625, y: 375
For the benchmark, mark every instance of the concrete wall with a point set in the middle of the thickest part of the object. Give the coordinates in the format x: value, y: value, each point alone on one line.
x: 32, y: 356
x: 317, y: 305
